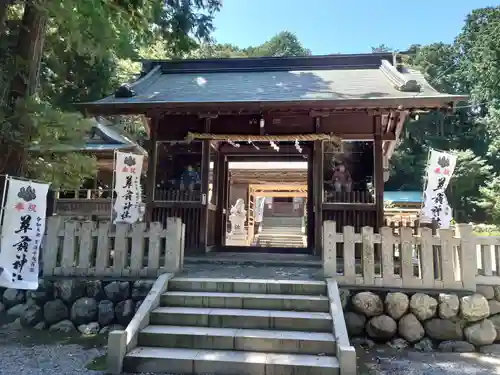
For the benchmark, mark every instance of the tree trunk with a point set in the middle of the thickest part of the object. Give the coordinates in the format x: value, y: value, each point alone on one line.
x: 28, y: 54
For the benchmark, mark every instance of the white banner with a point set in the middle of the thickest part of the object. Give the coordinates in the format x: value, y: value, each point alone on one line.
x: 128, y: 205
x: 22, y: 233
x: 440, y: 169
x: 439, y: 172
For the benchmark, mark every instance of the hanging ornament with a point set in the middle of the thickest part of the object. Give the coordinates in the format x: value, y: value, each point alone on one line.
x: 297, y: 146
x: 274, y: 146
x: 233, y: 144
x: 254, y: 145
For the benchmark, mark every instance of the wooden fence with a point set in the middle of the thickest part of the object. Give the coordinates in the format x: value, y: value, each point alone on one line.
x: 84, y: 248
x: 402, y: 259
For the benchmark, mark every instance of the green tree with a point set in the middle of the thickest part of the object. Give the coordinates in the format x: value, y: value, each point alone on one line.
x: 73, y: 48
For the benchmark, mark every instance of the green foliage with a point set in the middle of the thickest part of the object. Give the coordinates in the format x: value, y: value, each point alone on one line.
x: 89, y: 48
x: 470, y: 65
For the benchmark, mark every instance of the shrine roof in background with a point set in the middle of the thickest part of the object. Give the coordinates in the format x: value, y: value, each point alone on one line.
x: 335, y: 81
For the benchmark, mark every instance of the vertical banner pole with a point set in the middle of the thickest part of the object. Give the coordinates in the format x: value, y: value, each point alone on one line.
x: 4, y: 197
x: 113, y: 187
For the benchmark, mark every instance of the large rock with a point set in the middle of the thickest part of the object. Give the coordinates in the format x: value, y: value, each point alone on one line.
x: 84, y: 311
x: 443, y: 330
x: 490, y: 349
x: 381, y: 327
x: 69, y: 290
x: 92, y: 328
x: 494, y: 306
x: 474, y: 308
x: 425, y: 345
x: 44, y: 293
x: 368, y: 303
x: 423, y: 306
x: 117, y: 291
x: 486, y: 290
x: 456, y: 347
x: 410, y: 328
x: 396, y: 304
x: 355, y: 323
x: 140, y: 289
x: 449, y: 305
x: 55, y: 311
x: 95, y: 290
x: 19, y: 310
x: 32, y: 316
x: 65, y: 326
x: 124, y: 311
x: 496, y: 290
x: 482, y: 333
x: 106, y: 312
x: 495, y: 319
x: 12, y: 297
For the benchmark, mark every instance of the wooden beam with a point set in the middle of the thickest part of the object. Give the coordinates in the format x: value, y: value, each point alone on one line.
x: 279, y: 187
x: 397, y: 133
x: 282, y: 194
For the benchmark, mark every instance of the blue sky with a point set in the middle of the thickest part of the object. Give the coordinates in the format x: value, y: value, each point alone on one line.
x: 352, y: 26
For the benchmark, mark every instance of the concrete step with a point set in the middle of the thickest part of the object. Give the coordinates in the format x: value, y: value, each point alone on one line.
x: 221, y: 362
x: 239, y: 318
x: 246, y: 301
x: 301, y: 287
x: 238, y: 339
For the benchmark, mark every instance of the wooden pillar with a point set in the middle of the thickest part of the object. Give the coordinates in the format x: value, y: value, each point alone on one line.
x: 152, y: 161
x: 205, y: 172
x: 310, y: 199
x: 318, y: 193
x: 378, y: 172
x: 221, y: 184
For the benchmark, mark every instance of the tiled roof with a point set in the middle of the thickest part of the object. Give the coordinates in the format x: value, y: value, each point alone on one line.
x: 325, y: 79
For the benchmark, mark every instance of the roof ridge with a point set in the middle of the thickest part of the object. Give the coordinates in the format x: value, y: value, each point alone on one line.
x: 398, y: 80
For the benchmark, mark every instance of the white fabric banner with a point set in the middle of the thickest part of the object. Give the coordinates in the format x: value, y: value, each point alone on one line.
x: 128, y: 205
x: 439, y: 172
x: 22, y: 233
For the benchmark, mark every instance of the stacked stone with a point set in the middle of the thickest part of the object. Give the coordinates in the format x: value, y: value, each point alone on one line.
x: 90, y: 307
x: 445, y: 322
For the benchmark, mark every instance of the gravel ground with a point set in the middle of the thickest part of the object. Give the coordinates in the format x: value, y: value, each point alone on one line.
x: 387, y: 362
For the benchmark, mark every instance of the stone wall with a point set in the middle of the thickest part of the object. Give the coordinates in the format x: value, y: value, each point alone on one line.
x: 90, y: 307
x: 427, y: 322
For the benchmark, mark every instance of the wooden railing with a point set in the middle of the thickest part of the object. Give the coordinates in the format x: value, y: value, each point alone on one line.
x: 404, y: 259
x: 357, y: 196
x: 85, y: 248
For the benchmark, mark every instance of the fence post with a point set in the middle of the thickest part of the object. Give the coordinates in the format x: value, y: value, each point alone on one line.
x: 174, y: 245
x: 329, y: 249
x: 467, y: 256
x: 51, y: 248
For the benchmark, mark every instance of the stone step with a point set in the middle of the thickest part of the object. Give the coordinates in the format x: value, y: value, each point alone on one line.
x: 301, y: 287
x: 221, y: 362
x: 238, y: 339
x: 247, y: 301
x: 239, y: 318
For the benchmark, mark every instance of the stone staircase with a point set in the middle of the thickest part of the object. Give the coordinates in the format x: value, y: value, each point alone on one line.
x: 281, y: 232
x: 238, y: 327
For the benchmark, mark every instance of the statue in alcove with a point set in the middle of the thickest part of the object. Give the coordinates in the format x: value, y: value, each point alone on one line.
x: 189, y: 178
x: 341, y: 178
x: 238, y: 216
